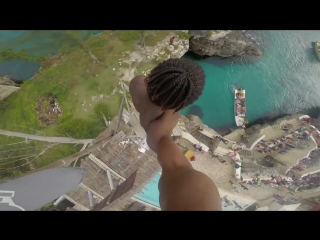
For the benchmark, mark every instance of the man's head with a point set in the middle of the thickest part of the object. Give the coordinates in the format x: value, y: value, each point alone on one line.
x: 175, y: 83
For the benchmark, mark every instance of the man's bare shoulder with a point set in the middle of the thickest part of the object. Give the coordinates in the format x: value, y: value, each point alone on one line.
x: 137, y: 82
x: 138, y: 92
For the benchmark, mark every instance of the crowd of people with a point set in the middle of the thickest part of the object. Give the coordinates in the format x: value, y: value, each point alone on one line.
x: 306, y: 183
x: 284, y: 200
x: 312, y: 160
x: 289, y: 140
x: 310, y: 181
x: 277, y: 182
x: 284, y: 143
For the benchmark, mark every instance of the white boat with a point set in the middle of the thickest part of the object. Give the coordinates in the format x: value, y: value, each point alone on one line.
x: 240, y: 106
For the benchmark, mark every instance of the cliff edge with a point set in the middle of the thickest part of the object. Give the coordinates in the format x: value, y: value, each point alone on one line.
x: 7, y: 86
x: 223, y: 43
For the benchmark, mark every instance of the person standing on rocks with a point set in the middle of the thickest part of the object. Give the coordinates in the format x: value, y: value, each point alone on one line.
x: 171, y: 86
x: 171, y: 40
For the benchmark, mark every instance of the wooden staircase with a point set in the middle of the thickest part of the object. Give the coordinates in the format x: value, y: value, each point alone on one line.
x: 202, y: 138
x: 245, y: 153
x: 276, y: 127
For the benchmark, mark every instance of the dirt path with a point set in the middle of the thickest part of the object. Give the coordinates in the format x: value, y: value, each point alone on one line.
x: 45, y: 139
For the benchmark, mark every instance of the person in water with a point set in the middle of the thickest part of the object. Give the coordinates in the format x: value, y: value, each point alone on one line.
x: 158, y: 97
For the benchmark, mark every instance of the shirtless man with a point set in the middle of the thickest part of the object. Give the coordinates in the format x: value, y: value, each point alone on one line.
x: 171, y: 86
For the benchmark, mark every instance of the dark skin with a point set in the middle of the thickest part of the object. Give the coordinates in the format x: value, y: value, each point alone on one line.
x: 148, y: 111
x: 181, y: 187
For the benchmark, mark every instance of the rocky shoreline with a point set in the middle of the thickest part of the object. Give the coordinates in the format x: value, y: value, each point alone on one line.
x: 223, y: 43
x: 7, y: 86
x: 203, y: 43
x: 313, y: 112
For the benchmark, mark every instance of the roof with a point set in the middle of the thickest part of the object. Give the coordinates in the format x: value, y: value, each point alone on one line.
x: 121, y: 156
x: 23, y: 193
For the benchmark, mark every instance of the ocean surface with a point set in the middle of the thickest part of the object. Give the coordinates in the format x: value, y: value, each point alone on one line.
x: 286, y: 79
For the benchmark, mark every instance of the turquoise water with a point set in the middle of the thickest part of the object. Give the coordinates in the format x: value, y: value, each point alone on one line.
x: 284, y: 80
x: 150, y: 192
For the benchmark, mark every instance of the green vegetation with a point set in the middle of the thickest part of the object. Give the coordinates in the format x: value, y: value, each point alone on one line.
x: 130, y: 36
x: 212, y: 32
x: 80, y: 128
x: 18, y: 156
x: 85, y: 89
x: 40, y: 40
x: 102, y: 109
x: 67, y: 39
x: 10, y: 54
x: 145, y: 67
x: 152, y: 38
x: 57, y: 152
x: 77, y: 83
x: 183, y: 35
x: 48, y: 207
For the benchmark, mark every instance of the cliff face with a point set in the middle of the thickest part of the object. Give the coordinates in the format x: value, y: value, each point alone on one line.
x: 223, y: 43
x: 7, y: 86
x: 6, y: 81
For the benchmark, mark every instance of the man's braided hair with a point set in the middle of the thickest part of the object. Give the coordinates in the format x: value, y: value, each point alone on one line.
x: 175, y: 83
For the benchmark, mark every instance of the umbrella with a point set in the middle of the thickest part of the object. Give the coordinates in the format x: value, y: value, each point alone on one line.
x: 35, y: 190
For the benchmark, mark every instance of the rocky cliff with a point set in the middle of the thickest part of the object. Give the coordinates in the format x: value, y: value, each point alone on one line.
x: 6, y: 81
x: 223, y: 43
x: 7, y: 86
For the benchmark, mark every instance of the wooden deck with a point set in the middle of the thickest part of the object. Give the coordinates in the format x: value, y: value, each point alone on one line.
x: 97, y: 179
x: 202, y: 138
x: 134, y: 122
x: 120, y: 156
x: 81, y: 196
